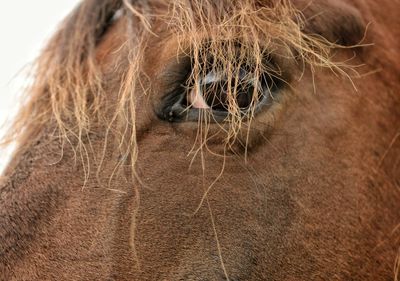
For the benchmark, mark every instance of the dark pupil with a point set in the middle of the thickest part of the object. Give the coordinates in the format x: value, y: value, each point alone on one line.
x: 216, y: 94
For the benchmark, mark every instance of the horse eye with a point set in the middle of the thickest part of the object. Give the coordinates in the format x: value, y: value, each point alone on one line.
x: 217, y: 93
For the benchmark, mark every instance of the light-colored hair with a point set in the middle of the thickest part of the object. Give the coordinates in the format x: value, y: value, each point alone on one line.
x: 68, y: 89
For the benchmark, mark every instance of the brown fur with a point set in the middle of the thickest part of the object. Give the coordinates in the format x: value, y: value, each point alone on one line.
x: 316, y: 199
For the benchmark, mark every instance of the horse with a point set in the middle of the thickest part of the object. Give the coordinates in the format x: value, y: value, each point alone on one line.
x: 209, y: 140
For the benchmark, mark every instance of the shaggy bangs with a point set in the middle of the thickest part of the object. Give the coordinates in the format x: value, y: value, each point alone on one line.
x: 69, y: 90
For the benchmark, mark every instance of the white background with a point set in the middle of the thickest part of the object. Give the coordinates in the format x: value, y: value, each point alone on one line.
x: 25, y: 26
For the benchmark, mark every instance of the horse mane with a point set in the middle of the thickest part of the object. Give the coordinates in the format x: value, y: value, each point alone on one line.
x: 68, y: 89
